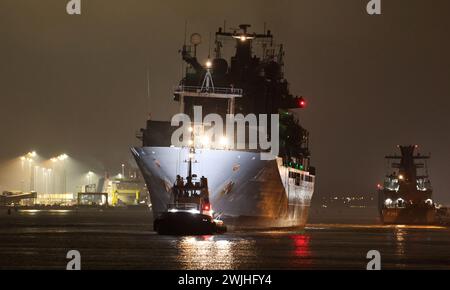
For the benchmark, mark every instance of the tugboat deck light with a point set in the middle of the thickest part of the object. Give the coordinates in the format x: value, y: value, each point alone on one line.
x: 192, y: 211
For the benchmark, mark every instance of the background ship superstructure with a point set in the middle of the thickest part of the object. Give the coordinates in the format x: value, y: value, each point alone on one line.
x: 245, y: 190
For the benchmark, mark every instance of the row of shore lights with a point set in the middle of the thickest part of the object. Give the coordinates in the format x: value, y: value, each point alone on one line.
x: 32, y: 154
x: 29, y: 156
x: 61, y: 157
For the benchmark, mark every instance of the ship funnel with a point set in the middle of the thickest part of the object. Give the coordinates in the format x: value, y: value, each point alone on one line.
x: 244, y: 27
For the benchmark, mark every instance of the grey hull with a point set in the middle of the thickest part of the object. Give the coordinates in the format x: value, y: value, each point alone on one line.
x: 246, y: 192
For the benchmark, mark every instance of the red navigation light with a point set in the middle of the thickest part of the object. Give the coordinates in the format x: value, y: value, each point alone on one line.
x: 206, y: 207
x: 301, y: 103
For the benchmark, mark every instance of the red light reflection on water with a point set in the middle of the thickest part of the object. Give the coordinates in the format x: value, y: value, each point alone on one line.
x: 301, y: 246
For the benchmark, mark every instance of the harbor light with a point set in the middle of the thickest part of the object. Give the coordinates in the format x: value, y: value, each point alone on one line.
x: 208, y: 64
x: 63, y: 157
x: 401, y: 177
x: 30, y: 155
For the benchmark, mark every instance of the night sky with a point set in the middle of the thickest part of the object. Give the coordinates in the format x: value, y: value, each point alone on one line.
x: 77, y: 84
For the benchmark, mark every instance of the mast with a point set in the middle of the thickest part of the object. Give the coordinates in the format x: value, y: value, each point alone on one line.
x: 407, y: 166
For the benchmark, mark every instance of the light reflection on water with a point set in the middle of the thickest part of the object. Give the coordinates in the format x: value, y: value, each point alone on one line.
x: 40, y: 235
x: 245, y: 251
x: 47, y: 211
x: 212, y: 252
x: 399, y: 234
x: 329, y: 248
x: 356, y: 226
x: 301, y: 246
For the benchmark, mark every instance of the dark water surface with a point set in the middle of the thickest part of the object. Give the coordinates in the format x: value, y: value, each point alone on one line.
x: 123, y: 239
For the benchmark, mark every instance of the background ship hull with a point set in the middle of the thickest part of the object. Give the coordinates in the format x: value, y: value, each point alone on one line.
x: 246, y: 192
x: 408, y: 216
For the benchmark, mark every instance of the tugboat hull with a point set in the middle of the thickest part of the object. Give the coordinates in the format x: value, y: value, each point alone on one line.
x: 185, y: 223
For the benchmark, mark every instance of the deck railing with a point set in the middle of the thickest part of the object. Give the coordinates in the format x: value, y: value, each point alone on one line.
x: 210, y: 90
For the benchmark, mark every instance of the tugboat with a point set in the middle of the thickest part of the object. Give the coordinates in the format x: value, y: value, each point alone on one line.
x: 190, y: 212
x: 406, y: 196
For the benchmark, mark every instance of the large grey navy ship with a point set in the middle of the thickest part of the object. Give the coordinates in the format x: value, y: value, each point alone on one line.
x: 245, y: 189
